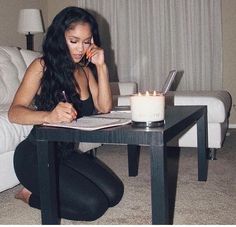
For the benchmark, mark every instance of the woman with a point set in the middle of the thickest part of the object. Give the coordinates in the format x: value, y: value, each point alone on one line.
x: 69, y: 81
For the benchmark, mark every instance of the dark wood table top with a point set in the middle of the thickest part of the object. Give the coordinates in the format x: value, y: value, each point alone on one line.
x: 176, y: 119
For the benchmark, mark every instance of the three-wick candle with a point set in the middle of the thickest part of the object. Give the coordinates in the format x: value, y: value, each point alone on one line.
x: 148, y: 107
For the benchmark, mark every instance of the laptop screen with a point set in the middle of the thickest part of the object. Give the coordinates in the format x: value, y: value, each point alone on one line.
x: 169, y: 81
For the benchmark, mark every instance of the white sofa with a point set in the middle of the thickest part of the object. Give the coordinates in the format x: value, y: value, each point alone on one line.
x: 218, y: 111
x: 13, y: 63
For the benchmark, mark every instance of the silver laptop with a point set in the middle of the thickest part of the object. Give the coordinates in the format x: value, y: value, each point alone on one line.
x: 169, y: 81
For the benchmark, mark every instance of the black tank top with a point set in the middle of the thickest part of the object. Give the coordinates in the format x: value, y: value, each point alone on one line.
x: 83, y: 107
x: 86, y: 107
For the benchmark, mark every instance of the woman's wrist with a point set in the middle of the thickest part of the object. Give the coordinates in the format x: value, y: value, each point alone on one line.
x: 101, y: 66
x: 45, y: 116
x: 102, y: 70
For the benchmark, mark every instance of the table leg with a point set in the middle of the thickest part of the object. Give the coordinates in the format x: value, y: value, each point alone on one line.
x: 159, y: 185
x: 133, y: 159
x: 202, y: 138
x: 47, y: 182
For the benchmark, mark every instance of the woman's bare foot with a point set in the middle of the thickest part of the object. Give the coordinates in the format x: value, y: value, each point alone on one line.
x: 23, y: 195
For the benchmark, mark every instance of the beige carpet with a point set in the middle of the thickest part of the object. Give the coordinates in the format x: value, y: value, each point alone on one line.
x: 211, y: 202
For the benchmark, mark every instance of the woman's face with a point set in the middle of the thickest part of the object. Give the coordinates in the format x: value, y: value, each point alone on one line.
x: 78, y: 40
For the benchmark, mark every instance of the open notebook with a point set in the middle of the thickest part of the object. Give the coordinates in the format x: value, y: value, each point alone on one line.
x: 95, y: 122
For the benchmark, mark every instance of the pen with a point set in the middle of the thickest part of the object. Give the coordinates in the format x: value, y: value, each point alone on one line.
x: 74, y: 114
x: 64, y: 95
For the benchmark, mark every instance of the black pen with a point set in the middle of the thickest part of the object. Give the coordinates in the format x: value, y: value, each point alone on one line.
x: 64, y: 95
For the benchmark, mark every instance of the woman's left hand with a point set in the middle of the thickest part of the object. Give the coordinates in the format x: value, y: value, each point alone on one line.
x: 95, y: 54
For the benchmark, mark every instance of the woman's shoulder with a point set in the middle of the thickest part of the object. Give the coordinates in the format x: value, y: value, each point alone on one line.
x: 35, y: 68
x: 37, y: 63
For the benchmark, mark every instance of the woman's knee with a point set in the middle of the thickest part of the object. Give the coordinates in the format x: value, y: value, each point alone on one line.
x: 109, y: 183
x: 96, y: 209
x: 91, y: 210
x: 115, y: 193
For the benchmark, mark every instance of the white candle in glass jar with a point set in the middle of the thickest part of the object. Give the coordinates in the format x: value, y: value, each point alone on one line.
x: 148, y: 107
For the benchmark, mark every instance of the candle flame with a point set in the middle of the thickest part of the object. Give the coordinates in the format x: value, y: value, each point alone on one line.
x: 147, y: 93
x: 154, y: 93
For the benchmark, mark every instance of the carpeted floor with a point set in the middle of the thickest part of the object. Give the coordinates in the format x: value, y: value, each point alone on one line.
x: 193, y: 202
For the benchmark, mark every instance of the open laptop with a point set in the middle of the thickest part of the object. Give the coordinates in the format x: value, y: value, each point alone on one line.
x: 169, y: 81
x: 166, y: 87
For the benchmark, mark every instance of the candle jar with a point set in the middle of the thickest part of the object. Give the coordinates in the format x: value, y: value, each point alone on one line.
x: 147, y: 110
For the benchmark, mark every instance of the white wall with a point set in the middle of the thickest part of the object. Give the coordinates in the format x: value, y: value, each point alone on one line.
x: 229, y: 52
x: 9, y: 12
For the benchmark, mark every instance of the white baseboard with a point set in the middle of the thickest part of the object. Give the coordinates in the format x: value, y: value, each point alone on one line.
x: 232, y: 125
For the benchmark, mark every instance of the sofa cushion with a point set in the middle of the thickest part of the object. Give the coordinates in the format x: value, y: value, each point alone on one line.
x: 29, y: 55
x: 11, y: 134
x: 13, y: 54
x: 12, y: 67
x: 8, y: 177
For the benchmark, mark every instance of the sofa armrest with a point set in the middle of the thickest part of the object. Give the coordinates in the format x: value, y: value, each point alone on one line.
x: 121, y: 92
x: 123, y: 88
x: 218, y: 102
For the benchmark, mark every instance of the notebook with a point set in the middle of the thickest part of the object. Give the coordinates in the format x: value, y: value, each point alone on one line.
x: 94, y: 122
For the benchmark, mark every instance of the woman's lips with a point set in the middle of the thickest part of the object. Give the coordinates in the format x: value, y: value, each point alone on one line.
x: 77, y: 56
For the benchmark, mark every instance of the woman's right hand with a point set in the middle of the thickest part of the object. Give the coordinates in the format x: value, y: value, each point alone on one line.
x: 63, y: 112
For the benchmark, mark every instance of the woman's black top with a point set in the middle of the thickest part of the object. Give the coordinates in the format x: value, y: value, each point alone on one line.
x: 83, y: 107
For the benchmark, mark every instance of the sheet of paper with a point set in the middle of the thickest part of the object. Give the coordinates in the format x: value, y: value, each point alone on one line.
x: 94, y: 122
x: 124, y: 114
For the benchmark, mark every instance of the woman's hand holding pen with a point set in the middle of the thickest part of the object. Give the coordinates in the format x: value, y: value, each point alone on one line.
x: 63, y: 112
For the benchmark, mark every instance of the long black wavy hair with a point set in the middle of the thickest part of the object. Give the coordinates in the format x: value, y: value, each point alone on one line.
x: 59, y: 66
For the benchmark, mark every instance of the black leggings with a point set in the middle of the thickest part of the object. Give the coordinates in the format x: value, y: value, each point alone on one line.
x: 87, y: 187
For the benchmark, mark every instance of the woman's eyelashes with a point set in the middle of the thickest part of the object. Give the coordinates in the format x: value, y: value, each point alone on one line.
x: 74, y: 42
x: 87, y: 43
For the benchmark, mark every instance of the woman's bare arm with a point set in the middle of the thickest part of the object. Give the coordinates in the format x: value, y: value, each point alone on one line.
x: 20, y: 111
x: 100, y: 90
